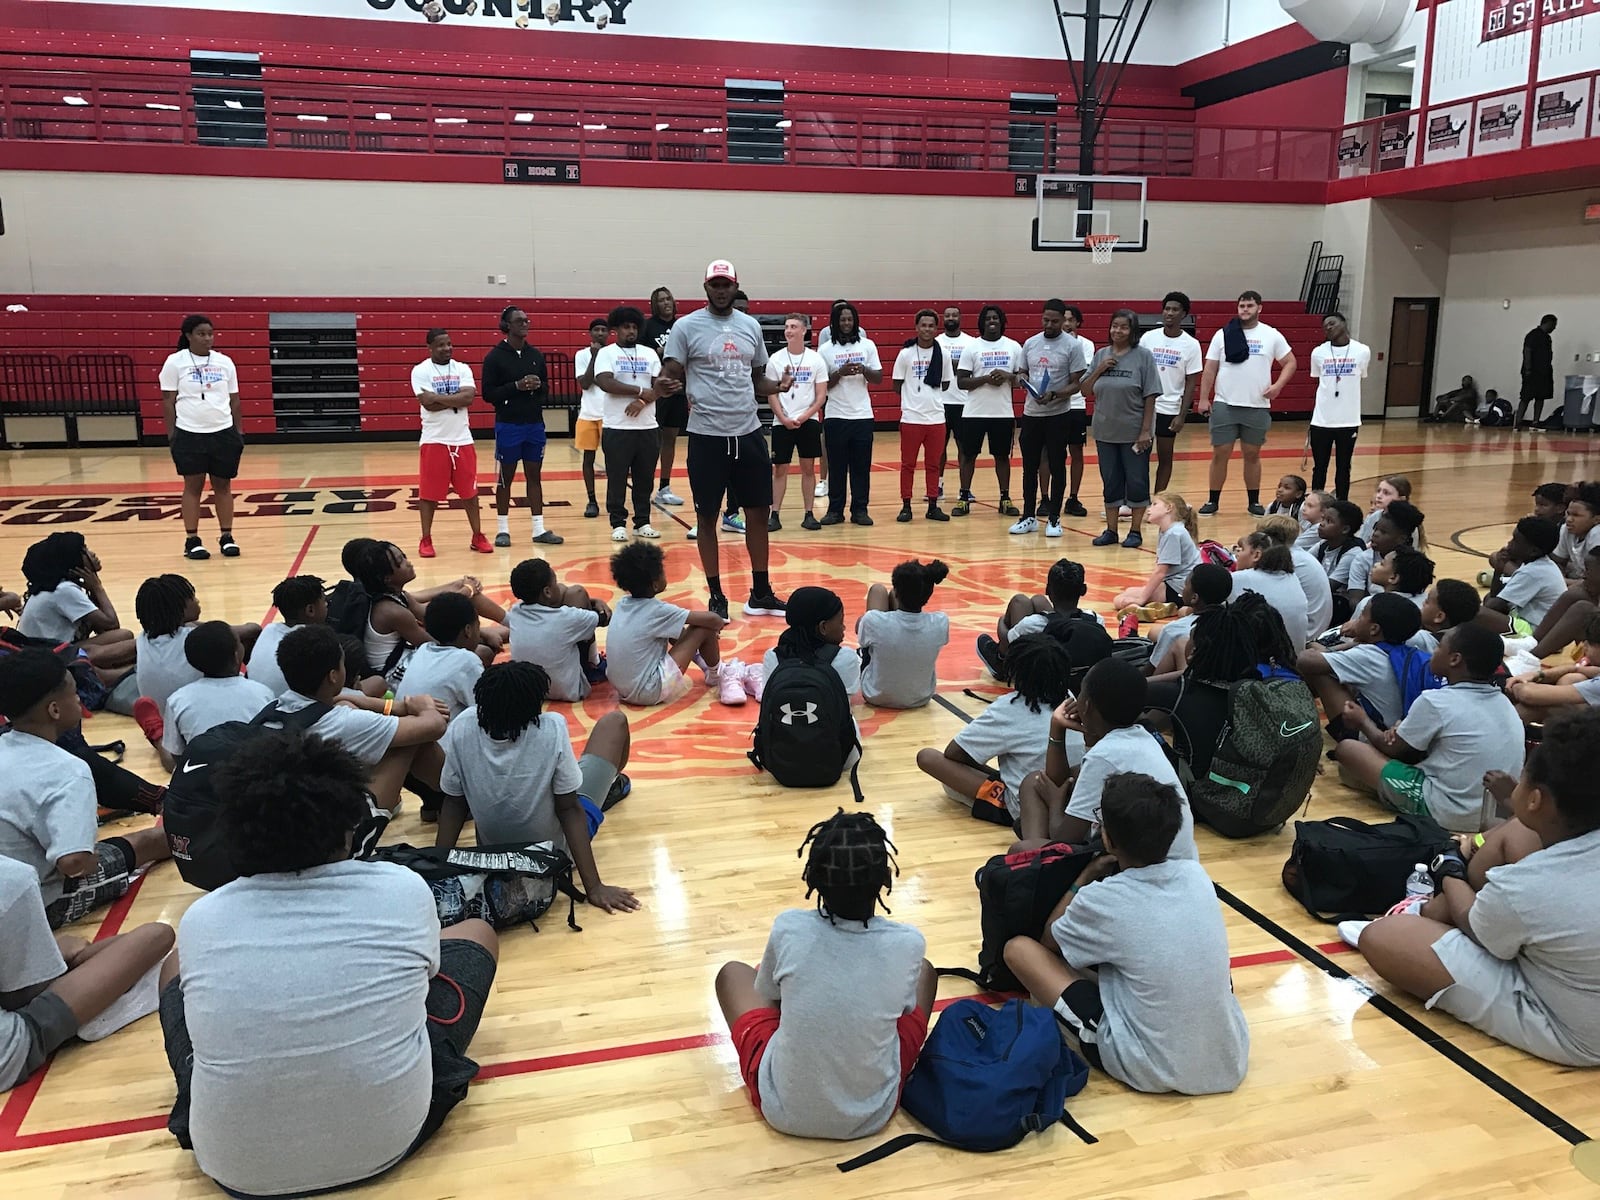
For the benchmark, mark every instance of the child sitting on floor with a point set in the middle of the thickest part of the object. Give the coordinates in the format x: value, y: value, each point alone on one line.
x: 220, y: 695
x: 651, y: 644
x: 1208, y: 587
x: 1312, y: 509
x: 900, y: 643
x: 1064, y: 589
x: 1338, y: 547
x: 1516, y: 955
x: 1434, y: 762
x: 1550, y: 502
x: 47, y: 807
x: 300, y: 600
x: 66, y: 602
x: 1403, y: 572
x: 448, y: 667
x: 828, y: 1027
x: 1366, y: 669
x: 1176, y: 556
x: 816, y: 631
x: 1398, y: 524
x: 1134, y: 960
x: 509, y: 767
x: 1014, y: 731
x: 1540, y: 694
x: 1580, y: 530
x: 1106, y: 715
x: 1291, y: 495
x: 1525, y: 597
x: 553, y: 625
x: 1449, y: 602
x: 57, y: 987
x: 1390, y: 488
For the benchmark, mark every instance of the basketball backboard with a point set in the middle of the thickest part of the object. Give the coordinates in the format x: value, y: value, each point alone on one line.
x: 1070, y: 208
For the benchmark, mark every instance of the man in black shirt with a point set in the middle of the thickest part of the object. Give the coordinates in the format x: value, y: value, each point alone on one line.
x: 514, y: 382
x: 672, y: 412
x: 1538, y: 369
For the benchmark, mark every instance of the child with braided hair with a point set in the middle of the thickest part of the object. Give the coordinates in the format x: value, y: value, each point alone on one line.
x: 828, y: 1027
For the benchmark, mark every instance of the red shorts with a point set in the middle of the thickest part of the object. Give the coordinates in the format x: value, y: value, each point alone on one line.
x: 754, y: 1030
x: 447, y: 468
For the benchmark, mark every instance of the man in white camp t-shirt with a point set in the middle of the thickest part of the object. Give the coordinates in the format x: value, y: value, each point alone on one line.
x: 1179, y: 363
x: 953, y: 343
x: 630, y: 437
x: 1338, y: 365
x: 988, y: 373
x: 1238, y: 373
x: 796, y: 419
x: 448, y: 460
x: 918, y: 382
x: 591, y: 407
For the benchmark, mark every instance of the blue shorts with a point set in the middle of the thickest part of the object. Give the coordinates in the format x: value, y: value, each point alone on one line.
x: 592, y: 814
x: 518, y: 443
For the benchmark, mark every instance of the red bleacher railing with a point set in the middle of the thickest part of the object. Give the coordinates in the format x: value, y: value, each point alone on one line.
x: 152, y: 107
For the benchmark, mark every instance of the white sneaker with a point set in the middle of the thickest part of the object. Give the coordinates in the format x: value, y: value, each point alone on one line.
x: 754, y: 678
x: 1125, y: 511
x: 730, y: 683
x: 822, y: 489
x: 1520, y: 645
x: 1026, y: 525
x: 646, y: 531
x: 1350, y: 933
x: 619, y: 534
x: 1053, y: 529
x: 665, y: 497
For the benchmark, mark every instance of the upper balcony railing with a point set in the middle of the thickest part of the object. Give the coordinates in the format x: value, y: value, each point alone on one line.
x: 570, y: 125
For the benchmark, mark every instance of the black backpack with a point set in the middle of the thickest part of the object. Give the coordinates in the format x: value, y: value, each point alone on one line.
x: 189, y: 811
x: 506, y: 885
x: 1265, y: 760
x: 1350, y: 868
x: 1085, y: 639
x: 805, y: 735
x: 1016, y: 894
x: 350, y: 613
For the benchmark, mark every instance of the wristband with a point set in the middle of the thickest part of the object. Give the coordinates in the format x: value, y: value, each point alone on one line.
x: 388, y: 708
x: 1074, y: 890
x: 1060, y: 741
x: 1477, y: 841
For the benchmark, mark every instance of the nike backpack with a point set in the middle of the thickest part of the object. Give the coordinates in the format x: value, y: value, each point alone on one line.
x: 805, y: 735
x: 1265, y: 759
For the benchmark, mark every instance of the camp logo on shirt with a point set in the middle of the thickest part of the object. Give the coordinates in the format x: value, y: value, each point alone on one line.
x: 1339, y: 367
x: 731, y: 363
x: 989, y: 360
x: 632, y: 364
x: 802, y: 375
x: 1165, y: 356
x: 844, y: 358
x: 206, y: 376
x: 1255, y: 345
x: 446, y: 385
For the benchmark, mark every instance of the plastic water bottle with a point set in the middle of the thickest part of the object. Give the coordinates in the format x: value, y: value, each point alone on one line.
x: 1419, y: 882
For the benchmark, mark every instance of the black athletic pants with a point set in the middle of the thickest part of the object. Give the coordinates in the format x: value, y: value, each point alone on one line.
x: 630, y: 455
x: 1325, y: 442
x: 1044, y: 438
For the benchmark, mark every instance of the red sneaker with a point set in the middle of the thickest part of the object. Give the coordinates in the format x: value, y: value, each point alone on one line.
x: 1129, y: 625
x: 148, y: 716
x: 480, y: 544
x: 425, y: 548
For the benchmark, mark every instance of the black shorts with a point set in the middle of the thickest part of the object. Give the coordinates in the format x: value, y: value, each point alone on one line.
x: 213, y: 454
x: 672, y: 412
x: 1164, y: 427
x: 1077, y: 427
x: 952, y: 419
x: 998, y: 430
x: 1082, y: 999
x: 786, y: 443
x: 716, y: 462
x: 113, y: 872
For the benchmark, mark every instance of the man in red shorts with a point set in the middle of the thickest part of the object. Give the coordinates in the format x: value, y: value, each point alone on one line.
x: 448, y: 458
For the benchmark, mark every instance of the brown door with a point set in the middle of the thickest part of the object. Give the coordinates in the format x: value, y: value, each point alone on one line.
x: 1413, y: 330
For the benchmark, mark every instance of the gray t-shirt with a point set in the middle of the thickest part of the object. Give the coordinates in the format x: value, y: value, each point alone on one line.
x: 1466, y: 729
x: 263, y: 663
x: 162, y: 667
x: 551, y: 637
x: 1177, y: 551
x: 1182, y: 627
x: 1284, y: 593
x: 367, y: 735
x: 511, y: 787
x: 28, y: 957
x: 47, y: 808
x: 1119, y: 394
x: 1543, y: 913
x: 1534, y: 588
x: 1574, y: 550
x: 902, y: 650
x: 1318, y: 591
x: 54, y: 615
x: 1017, y: 738
x: 1589, y: 689
x: 636, y: 642
x: 1367, y: 672
x: 305, y: 996
x: 832, y: 1068
x: 1051, y: 363
x: 1133, y: 749
x: 207, y: 703
x: 1156, y: 937
x: 718, y: 354
x: 846, y: 664
x: 446, y: 673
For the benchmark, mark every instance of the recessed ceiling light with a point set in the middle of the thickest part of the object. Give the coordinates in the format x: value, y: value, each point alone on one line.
x: 163, y: 107
x: 75, y: 101
x: 310, y: 117
x: 523, y: 118
x: 383, y: 116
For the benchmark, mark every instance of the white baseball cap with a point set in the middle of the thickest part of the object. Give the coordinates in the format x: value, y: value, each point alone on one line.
x: 722, y: 269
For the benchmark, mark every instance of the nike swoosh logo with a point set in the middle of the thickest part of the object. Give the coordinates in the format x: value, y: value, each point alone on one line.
x: 190, y: 766
x: 1285, y: 731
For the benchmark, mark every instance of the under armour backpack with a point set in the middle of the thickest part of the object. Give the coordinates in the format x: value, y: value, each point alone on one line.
x: 1265, y: 760
x: 1016, y: 895
x: 191, y: 805
x: 805, y: 735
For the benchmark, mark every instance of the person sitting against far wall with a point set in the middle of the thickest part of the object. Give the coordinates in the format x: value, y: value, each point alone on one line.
x: 1514, y: 950
x: 1457, y: 406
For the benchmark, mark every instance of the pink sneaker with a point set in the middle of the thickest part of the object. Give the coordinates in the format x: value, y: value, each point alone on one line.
x: 755, y: 681
x: 730, y: 685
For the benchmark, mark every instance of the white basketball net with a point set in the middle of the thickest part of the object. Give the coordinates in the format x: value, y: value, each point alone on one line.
x: 1101, y: 247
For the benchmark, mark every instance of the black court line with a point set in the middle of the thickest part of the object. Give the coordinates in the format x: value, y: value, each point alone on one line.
x: 1504, y: 1088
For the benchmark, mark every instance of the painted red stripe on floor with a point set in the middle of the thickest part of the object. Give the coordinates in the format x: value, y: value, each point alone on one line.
x: 83, y: 1133
x: 118, y: 912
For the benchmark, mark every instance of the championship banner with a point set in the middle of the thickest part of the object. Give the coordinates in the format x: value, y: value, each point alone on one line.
x: 1502, y: 18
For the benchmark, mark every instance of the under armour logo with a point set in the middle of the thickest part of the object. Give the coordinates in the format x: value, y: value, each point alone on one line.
x: 809, y: 713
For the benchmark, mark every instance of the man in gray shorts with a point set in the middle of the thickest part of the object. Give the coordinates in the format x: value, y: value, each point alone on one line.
x: 1239, y: 374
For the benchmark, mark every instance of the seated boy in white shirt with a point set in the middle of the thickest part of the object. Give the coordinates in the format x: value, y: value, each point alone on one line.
x: 221, y: 694
x: 448, y: 667
x: 510, y: 767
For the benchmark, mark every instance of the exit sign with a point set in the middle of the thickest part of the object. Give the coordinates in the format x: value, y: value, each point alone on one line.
x: 1591, y: 212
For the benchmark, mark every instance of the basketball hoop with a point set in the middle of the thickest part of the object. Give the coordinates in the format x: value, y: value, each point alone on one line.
x: 1102, y: 246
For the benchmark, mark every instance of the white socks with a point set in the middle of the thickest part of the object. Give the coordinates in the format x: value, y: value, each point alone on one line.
x: 538, y: 526
x: 503, y: 524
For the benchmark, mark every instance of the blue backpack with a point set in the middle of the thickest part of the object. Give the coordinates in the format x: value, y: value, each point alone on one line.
x: 987, y: 1078
x: 1410, y: 667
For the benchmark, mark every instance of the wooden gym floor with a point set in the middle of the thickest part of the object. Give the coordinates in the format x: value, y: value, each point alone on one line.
x: 606, y: 1065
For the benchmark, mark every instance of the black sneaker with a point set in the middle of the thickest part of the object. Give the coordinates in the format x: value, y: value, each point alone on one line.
x: 861, y: 518
x: 773, y: 524
x: 718, y: 605
x: 192, y: 548
x: 768, y: 605
x: 1208, y: 509
x: 809, y: 521
x: 905, y: 513
x: 1074, y: 509
x: 832, y: 518
x: 935, y: 513
x: 229, y: 547
x: 591, y: 509
x: 1256, y: 510
x: 989, y: 652
x: 502, y: 540
x: 620, y: 789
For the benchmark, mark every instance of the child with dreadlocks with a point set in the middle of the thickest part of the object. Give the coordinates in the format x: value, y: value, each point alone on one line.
x: 66, y: 602
x: 829, y: 1026
x: 300, y: 600
x: 1134, y: 959
x: 510, y: 767
x: 1014, y: 731
x: 900, y: 643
